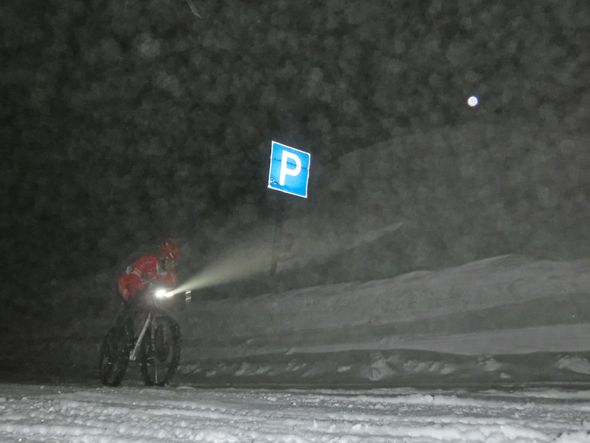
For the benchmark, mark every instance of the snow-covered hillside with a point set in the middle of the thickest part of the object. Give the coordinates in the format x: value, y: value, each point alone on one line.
x: 506, y: 318
x: 415, y: 310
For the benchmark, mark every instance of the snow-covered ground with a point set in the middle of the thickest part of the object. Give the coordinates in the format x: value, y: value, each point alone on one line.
x: 36, y: 413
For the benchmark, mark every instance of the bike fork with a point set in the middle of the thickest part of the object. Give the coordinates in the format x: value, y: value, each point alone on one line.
x: 146, y: 325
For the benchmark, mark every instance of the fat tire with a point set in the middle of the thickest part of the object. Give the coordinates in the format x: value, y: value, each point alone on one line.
x: 112, y: 368
x: 148, y: 354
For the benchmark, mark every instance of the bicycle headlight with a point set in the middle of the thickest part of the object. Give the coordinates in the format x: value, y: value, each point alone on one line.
x: 161, y: 293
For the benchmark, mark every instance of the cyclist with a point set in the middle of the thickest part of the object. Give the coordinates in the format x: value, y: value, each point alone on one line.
x: 150, y: 268
x: 147, y: 269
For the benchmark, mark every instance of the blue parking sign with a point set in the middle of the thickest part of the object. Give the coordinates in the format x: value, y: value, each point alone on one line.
x: 289, y: 170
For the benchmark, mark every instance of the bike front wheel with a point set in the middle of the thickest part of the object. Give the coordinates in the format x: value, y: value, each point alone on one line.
x: 114, y: 356
x: 160, y: 351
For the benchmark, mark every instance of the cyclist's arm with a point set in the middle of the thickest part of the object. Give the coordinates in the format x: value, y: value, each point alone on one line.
x: 137, y: 280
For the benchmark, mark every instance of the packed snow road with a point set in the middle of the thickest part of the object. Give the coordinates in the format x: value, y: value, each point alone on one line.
x: 34, y: 413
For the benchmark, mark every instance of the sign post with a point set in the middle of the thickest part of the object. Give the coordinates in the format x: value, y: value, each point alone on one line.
x: 289, y: 173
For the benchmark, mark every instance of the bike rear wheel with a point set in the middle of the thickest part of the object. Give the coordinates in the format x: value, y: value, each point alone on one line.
x: 114, y: 356
x: 160, y: 351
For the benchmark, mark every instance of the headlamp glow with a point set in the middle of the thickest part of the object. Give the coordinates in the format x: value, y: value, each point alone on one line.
x: 161, y: 293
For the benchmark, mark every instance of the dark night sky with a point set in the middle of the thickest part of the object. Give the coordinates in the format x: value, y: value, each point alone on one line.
x: 127, y: 121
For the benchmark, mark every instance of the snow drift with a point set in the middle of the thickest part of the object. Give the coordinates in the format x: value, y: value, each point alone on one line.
x: 443, y: 323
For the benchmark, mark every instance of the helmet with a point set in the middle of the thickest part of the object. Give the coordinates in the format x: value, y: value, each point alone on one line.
x: 169, y: 250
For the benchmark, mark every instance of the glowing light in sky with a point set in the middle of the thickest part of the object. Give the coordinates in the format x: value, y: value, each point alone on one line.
x: 472, y: 101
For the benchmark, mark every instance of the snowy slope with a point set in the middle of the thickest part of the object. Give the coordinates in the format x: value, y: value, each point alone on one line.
x: 444, y: 325
x: 477, y: 308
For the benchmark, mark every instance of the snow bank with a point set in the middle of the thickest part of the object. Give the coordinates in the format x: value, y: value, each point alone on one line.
x: 502, y: 319
x: 503, y: 305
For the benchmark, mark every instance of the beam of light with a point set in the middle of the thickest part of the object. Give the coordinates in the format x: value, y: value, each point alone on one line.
x: 242, y: 262
x: 252, y: 258
x: 473, y: 101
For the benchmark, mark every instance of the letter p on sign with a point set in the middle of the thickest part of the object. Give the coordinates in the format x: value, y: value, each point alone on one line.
x: 289, y: 170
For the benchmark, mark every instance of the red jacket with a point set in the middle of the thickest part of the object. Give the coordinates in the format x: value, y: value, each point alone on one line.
x: 144, y: 270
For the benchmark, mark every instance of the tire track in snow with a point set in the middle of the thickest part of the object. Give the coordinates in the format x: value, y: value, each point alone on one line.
x: 181, y: 415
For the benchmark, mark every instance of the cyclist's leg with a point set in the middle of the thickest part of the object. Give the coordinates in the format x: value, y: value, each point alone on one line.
x: 133, y: 312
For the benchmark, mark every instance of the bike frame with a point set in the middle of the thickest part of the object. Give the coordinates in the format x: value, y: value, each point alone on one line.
x: 146, y: 325
x: 150, y: 318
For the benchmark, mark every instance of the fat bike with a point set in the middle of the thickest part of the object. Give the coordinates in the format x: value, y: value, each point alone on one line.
x: 157, y: 348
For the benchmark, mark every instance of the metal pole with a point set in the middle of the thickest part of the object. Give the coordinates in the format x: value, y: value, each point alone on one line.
x: 278, y: 232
